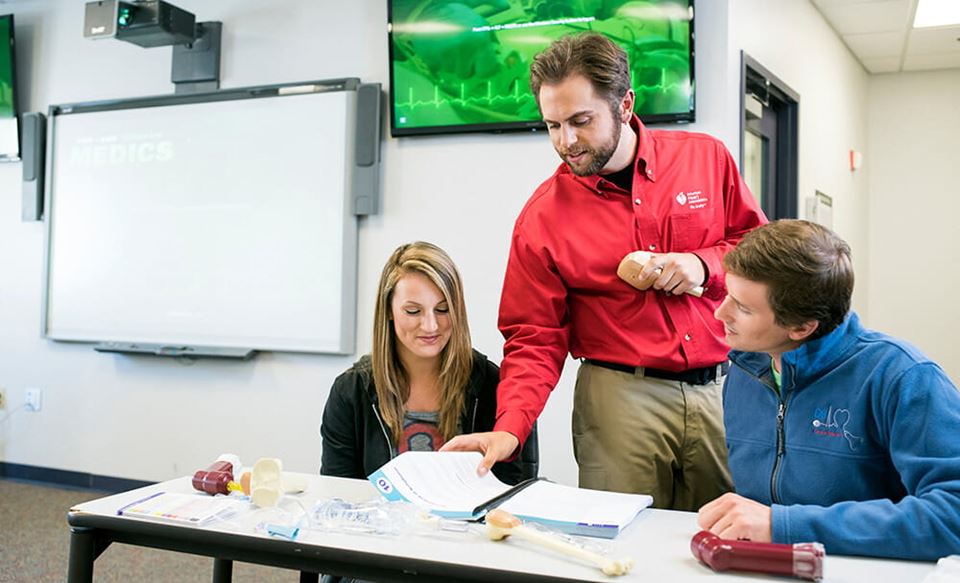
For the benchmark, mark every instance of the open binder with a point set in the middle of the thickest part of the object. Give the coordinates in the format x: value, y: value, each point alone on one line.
x: 447, y: 485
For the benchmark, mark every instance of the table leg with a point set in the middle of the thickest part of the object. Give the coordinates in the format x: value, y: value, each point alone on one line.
x: 222, y: 570
x: 82, y: 554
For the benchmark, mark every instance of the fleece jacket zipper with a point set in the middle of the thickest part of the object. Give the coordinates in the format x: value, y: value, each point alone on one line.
x: 781, y: 437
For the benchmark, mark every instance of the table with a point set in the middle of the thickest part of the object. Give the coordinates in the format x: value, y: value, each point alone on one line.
x: 658, y: 540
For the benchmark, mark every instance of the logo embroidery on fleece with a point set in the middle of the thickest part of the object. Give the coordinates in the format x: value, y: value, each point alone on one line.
x: 832, y: 422
x: 695, y: 199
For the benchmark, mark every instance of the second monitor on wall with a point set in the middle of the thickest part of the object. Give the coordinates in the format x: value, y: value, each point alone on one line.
x: 9, y: 126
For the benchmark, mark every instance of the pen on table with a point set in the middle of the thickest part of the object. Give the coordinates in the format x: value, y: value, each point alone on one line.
x: 135, y: 502
x: 500, y: 498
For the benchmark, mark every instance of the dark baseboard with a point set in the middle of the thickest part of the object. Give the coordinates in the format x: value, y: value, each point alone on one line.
x: 69, y: 478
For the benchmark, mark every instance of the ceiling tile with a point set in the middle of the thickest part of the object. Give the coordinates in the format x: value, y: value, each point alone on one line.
x: 864, y: 17
x: 882, y: 64
x: 879, y: 44
x: 943, y: 39
x: 931, y: 61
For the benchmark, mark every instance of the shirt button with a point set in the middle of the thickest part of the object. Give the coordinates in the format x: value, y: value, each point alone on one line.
x: 636, y: 201
x: 653, y: 247
x: 686, y: 337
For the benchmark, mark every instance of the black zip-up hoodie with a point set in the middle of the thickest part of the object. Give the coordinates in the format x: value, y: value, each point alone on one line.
x: 356, y: 441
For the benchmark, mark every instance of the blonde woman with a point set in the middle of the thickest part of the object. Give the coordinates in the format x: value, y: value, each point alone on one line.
x: 422, y: 384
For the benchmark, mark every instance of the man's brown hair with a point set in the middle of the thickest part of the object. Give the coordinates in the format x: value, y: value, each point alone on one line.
x: 592, y: 55
x: 806, y: 267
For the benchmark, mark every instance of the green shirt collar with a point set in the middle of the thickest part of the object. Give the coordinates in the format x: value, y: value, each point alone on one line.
x: 776, y: 374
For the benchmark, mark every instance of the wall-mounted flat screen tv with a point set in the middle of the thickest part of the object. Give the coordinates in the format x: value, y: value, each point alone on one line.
x: 9, y: 128
x: 464, y: 65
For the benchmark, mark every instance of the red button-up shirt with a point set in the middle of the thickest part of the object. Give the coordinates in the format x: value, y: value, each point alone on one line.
x: 561, y: 292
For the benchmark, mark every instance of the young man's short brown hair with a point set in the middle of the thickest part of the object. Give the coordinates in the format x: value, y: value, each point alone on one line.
x: 592, y: 55
x: 806, y: 267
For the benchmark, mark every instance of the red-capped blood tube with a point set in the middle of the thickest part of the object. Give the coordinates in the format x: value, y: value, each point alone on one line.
x: 801, y: 560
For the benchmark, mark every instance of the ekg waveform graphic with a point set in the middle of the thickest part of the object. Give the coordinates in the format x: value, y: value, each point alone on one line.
x: 490, y: 99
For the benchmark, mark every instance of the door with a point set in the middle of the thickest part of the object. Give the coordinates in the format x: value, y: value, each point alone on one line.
x: 768, y: 150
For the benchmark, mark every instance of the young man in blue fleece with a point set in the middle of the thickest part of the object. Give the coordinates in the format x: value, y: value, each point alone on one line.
x: 836, y: 433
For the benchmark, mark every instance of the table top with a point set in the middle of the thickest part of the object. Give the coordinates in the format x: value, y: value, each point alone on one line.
x: 658, y: 541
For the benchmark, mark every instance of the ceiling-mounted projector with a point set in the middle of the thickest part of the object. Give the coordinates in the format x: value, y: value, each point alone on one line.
x: 148, y: 23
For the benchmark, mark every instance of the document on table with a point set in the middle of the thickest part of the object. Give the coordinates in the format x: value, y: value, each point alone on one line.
x: 447, y: 484
x: 186, y: 509
x: 594, y: 512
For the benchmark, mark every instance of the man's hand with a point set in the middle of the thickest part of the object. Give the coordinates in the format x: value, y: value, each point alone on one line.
x: 494, y: 445
x: 734, y: 517
x: 673, y: 273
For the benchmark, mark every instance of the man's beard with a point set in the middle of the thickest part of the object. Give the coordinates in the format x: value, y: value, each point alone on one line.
x: 596, y: 158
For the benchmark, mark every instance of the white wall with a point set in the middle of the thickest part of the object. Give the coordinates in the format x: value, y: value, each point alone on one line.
x: 914, y: 158
x: 791, y: 40
x: 147, y: 418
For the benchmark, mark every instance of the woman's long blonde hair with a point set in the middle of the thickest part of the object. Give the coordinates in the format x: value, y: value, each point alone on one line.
x: 456, y: 359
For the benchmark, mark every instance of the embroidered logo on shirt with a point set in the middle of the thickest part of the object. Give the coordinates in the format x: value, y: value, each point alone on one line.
x: 832, y: 422
x: 696, y: 199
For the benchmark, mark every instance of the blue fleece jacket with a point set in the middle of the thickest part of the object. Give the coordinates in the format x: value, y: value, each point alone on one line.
x: 866, y: 459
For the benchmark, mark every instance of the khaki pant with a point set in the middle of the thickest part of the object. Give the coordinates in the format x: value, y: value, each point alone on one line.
x: 650, y: 436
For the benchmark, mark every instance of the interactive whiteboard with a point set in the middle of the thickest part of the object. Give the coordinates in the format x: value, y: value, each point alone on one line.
x: 214, y: 220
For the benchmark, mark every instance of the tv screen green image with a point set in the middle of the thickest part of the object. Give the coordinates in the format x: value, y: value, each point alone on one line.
x: 9, y: 132
x: 464, y: 65
x: 6, y: 66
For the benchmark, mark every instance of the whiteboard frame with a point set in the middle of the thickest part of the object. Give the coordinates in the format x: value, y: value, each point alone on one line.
x: 347, y: 337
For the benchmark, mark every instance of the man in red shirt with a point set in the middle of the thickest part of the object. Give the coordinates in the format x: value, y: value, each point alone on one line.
x: 647, y: 404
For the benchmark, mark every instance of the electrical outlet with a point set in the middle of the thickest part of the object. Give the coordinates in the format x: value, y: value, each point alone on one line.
x: 34, y: 399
